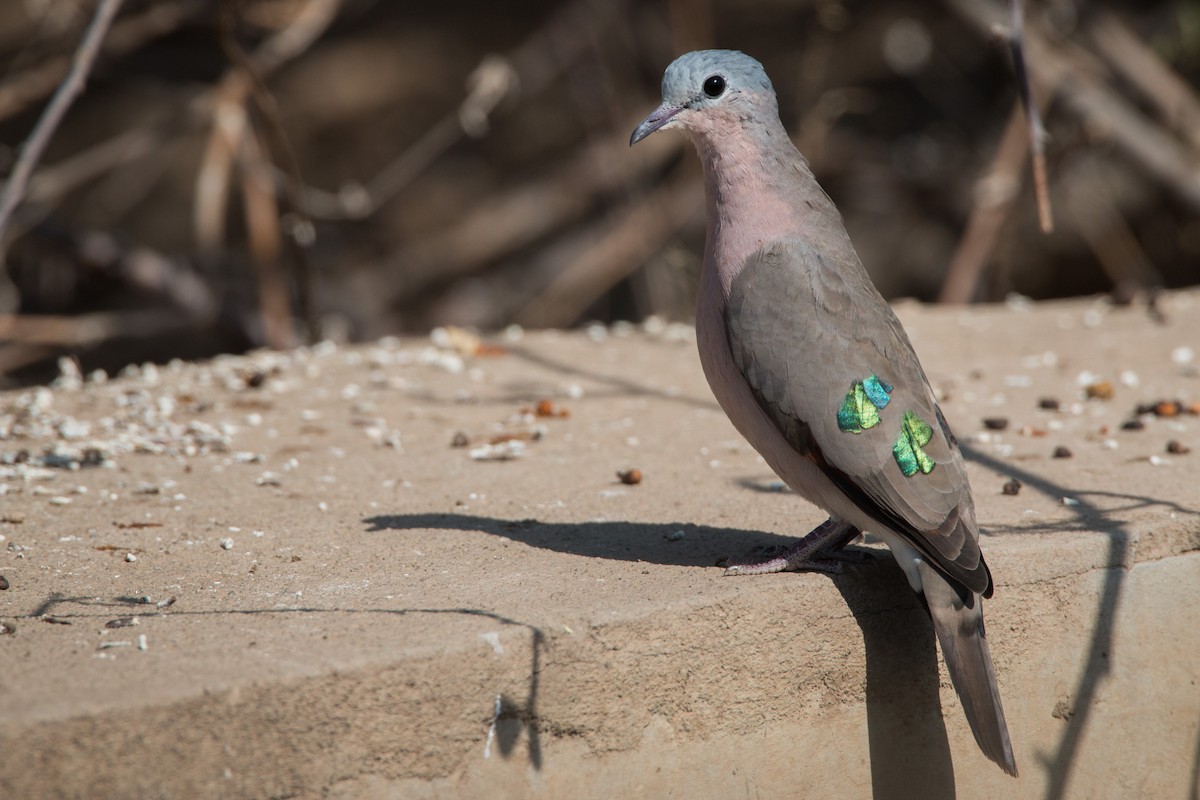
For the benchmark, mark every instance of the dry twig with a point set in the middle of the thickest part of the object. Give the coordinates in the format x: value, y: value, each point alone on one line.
x: 72, y: 86
x: 1037, y: 132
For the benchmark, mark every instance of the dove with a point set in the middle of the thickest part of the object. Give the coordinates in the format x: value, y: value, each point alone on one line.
x: 814, y: 369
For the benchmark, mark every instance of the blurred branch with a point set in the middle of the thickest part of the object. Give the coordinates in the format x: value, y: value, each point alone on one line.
x: 1037, y: 132
x: 623, y: 245
x: 296, y: 38
x: 158, y: 19
x: 86, y: 329
x: 1106, y: 232
x: 1148, y: 73
x: 527, y: 70
x: 1066, y: 66
x: 232, y: 140
x: 72, y: 86
x: 489, y: 84
x: 995, y: 195
x: 514, y: 218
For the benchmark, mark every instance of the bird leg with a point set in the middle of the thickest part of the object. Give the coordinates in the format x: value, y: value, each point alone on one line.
x: 821, y: 550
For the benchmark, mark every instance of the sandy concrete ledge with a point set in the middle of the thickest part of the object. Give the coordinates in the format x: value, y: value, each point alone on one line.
x: 276, y: 576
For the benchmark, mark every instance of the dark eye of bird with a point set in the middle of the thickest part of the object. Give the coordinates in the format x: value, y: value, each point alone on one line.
x: 714, y: 85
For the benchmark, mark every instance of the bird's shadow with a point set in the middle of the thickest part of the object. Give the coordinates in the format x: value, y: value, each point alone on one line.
x: 906, y: 733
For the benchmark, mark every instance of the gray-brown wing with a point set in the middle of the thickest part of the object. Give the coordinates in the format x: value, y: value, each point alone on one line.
x: 830, y: 364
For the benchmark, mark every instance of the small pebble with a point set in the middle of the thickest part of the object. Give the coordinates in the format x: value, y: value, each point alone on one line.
x: 7, y: 629
x: 3, y: 583
x: 630, y: 477
x: 459, y: 440
x: 1069, y: 501
x: 1100, y: 390
x: 141, y: 642
x: 1132, y: 425
x: 130, y: 557
x: 1168, y: 408
x: 227, y: 543
x: 121, y: 622
x: 675, y: 536
x: 995, y: 423
x: 1011, y: 487
x: 1062, y: 452
x: 1174, y: 447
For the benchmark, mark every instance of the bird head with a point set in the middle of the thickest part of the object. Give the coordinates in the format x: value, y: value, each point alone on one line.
x: 706, y: 88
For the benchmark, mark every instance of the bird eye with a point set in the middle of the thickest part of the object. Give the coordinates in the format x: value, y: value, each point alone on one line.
x: 714, y: 85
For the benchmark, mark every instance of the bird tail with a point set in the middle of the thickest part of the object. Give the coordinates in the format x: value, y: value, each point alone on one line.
x: 960, y: 633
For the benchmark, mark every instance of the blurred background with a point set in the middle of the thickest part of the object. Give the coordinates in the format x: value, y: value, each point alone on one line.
x: 271, y: 172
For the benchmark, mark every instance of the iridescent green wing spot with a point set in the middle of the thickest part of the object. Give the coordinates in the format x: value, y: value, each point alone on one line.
x: 915, y: 433
x: 860, y: 410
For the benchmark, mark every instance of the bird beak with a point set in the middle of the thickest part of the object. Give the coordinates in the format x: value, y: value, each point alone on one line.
x: 658, y: 118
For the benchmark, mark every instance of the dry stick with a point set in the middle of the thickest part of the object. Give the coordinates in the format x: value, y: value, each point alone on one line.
x: 29, y: 339
x: 1137, y: 62
x: 1109, y: 236
x: 35, y: 145
x: 126, y: 35
x: 637, y: 235
x: 232, y: 141
x: 51, y: 183
x: 261, y: 209
x: 1084, y: 94
x: 506, y: 221
x: 493, y: 81
x: 528, y: 69
x: 315, y: 18
x: 1037, y: 133
x: 211, y: 193
x: 995, y: 195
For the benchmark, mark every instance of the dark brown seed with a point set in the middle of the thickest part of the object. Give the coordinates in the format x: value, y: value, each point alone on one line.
x: 1100, y: 390
x: 995, y: 423
x: 1048, y: 403
x: 1132, y: 425
x: 1177, y: 448
x: 1011, y: 487
x: 630, y: 477
x: 1145, y: 408
x: 1062, y: 452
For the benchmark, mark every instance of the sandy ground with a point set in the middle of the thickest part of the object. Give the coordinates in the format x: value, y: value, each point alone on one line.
x: 391, y: 570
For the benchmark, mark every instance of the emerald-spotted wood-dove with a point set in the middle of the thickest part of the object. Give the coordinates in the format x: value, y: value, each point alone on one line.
x: 814, y: 369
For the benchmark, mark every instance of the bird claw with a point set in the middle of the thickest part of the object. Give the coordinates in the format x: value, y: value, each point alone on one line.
x: 819, y: 551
